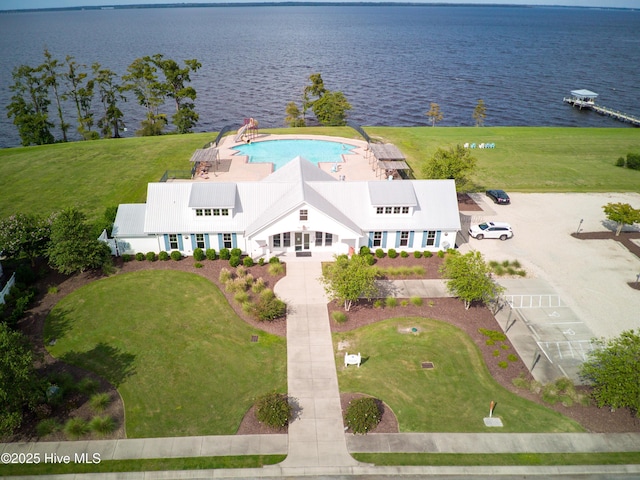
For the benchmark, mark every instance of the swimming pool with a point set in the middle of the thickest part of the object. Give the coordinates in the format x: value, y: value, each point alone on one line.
x: 280, y: 152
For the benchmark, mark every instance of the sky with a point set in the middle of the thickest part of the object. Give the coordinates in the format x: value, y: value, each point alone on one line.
x: 22, y: 4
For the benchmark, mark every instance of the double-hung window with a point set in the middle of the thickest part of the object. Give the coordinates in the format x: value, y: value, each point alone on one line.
x: 226, y: 240
x: 200, y: 240
x: 173, y: 241
x: 276, y: 241
x: 431, y: 238
x: 304, y: 215
x: 377, y: 239
x: 404, y: 239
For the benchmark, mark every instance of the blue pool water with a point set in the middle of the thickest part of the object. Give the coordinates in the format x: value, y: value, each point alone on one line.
x: 280, y: 152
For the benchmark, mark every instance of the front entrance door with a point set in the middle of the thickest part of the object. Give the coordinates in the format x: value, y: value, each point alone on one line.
x: 302, y: 241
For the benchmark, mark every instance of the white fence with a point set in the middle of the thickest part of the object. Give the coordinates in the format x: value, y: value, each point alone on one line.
x: 7, y: 288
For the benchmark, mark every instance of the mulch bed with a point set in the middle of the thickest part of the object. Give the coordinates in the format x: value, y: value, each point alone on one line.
x: 625, y: 238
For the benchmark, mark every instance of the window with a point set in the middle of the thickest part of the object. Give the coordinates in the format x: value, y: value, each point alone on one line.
x: 405, y: 210
x: 431, y: 238
x: 216, y: 212
x: 328, y: 239
x: 173, y: 241
x: 396, y: 210
x: 319, y: 236
x: 198, y: 212
x: 276, y: 241
x: 304, y: 214
x: 200, y: 240
x: 207, y: 212
x: 377, y: 239
x: 404, y: 239
x: 387, y: 210
x: 286, y: 239
x: 379, y: 210
x: 226, y: 240
x: 224, y: 212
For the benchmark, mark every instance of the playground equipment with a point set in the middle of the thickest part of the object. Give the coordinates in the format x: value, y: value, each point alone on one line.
x: 248, y: 130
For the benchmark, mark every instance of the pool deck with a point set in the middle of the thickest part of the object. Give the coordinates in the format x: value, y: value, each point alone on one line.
x: 355, y: 166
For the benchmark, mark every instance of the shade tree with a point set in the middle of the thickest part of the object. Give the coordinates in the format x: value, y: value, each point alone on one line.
x: 622, y: 214
x: 346, y: 280
x: 454, y: 163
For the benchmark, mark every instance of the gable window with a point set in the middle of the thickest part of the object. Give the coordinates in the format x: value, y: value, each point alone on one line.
x: 396, y: 210
x: 387, y: 210
x: 216, y: 212
x: 226, y: 240
x: 207, y: 212
x: 431, y: 238
x: 200, y: 240
x: 319, y: 236
x: 304, y: 215
x: 276, y: 241
x: 173, y: 241
x: 224, y: 212
x: 199, y: 212
x: 404, y: 239
x: 286, y: 239
x: 377, y: 239
x: 328, y: 239
x: 405, y: 210
x: 379, y: 210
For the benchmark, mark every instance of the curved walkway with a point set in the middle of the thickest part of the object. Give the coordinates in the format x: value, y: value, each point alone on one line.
x: 316, y: 444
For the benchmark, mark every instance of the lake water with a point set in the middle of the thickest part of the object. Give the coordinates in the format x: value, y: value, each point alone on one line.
x: 390, y: 61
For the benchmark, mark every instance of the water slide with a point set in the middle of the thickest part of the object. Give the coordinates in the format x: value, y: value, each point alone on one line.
x: 241, y: 132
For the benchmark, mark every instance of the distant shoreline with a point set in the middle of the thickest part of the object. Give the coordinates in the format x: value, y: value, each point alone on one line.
x: 299, y: 4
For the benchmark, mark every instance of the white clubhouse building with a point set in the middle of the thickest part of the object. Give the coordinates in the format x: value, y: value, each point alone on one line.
x: 298, y: 208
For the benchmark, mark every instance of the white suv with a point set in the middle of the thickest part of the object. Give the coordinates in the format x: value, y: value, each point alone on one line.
x: 499, y: 230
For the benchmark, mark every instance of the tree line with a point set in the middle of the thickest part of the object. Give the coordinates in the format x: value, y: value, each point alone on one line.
x: 96, y: 94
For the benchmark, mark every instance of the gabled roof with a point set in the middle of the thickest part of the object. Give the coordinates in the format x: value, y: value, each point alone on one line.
x: 129, y: 220
x: 299, y: 170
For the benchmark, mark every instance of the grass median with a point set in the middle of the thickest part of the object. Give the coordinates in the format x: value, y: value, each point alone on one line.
x: 181, y: 359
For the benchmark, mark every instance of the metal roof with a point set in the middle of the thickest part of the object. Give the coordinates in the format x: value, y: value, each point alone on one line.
x: 386, y: 151
x: 584, y: 93
x: 209, y: 195
x: 129, y: 220
x: 392, y: 193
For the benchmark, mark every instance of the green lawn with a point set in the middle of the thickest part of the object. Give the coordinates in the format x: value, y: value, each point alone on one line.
x: 102, y: 173
x: 452, y: 397
x: 180, y: 357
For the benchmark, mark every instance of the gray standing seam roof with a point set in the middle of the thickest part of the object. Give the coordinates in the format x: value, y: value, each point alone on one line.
x: 392, y: 193
x: 210, y: 195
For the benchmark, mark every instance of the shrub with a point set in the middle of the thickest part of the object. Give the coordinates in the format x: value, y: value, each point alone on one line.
x: 440, y: 253
x: 126, y: 257
x: 224, y: 254
x: 236, y: 285
x: 140, y: 256
x: 512, y: 357
x: 88, y: 386
x: 99, y: 402
x: 392, y: 253
x: 339, y: 317
x: 496, y: 353
x: 258, y: 285
x: 378, y: 303
x: 75, y: 428
x: 274, y: 260
x: 234, y: 261
x: 427, y: 254
x: 261, y: 261
x: 417, y: 254
x: 620, y: 162
x: 633, y: 161
x: 199, y: 255
x: 370, y: 259
x: 236, y: 252
x: 364, y: 250
x: 504, y: 346
x: 273, y: 409
x: 248, y: 307
x: 363, y: 415
x: 247, y: 261
x: 404, y: 254
x: 241, y: 297
x: 224, y: 275
x: 198, y: 265
x: 163, y: 256
x: 391, y: 302
x: 417, y: 301
x: 503, y: 364
x: 269, y: 308
x: 267, y: 294
x: 520, y: 382
x: 379, y: 253
x: 151, y: 256
x: 210, y: 253
x: 47, y: 427
x: 241, y: 271
x: 176, y: 255
x: 275, y: 269
x: 102, y: 425
x: 404, y: 303
x: 493, y: 334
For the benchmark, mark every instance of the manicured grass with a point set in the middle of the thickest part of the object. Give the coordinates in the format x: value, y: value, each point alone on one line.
x: 452, y: 397
x: 180, y: 357
x: 102, y: 173
x: 144, y: 465
x: 530, y: 159
x: 481, y: 459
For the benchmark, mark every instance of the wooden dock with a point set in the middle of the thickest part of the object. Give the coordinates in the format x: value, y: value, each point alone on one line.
x: 616, y: 115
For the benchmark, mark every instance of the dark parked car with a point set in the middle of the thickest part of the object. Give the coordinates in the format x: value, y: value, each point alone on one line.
x: 499, y: 196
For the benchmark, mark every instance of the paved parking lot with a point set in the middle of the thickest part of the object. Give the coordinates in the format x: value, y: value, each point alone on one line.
x: 574, y: 289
